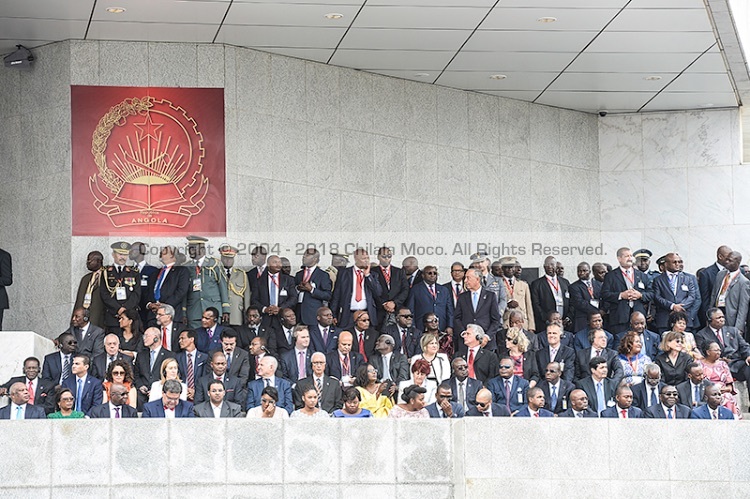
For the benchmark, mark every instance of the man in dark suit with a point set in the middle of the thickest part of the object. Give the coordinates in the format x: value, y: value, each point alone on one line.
x: 649, y: 339
x: 456, y: 284
x: 170, y: 406
x: 90, y: 338
x: 734, y: 348
x: 535, y: 407
x: 556, y: 390
x: 147, y: 368
x: 252, y: 328
x: 356, y: 290
x: 168, y: 285
x: 625, y: 291
x: 86, y: 389
x: 6, y: 279
x: 476, y: 306
x: 482, y: 363
x: 550, y: 293
x: 579, y: 406
x: 364, y: 334
x: 238, y: 361
x: 581, y: 338
x: 273, y: 291
x: 40, y: 390
x: 706, y: 278
x: 324, y: 336
x: 508, y: 389
x: 314, y: 287
x: 585, y: 295
x: 296, y: 364
x: 463, y: 388
x: 598, y: 340
x: 731, y: 293
x: 258, y: 257
x: 117, y: 407
x: 443, y: 407
x: 19, y: 407
x: 692, y: 389
x: 556, y: 352
x: 390, y: 364
x: 674, y: 291
x: 283, y: 332
x: 393, y: 284
x: 170, y: 330
x: 646, y: 394
x: 668, y: 408
x: 599, y: 389
x: 712, y: 409
x: 330, y: 396
x: 234, y: 389
x: 623, y: 408
x: 342, y: 364
x: 208, y: 336
x: 430, y: 297
x: 57, y: 364
x: 216, y: 405
x: 101, y: 362
x: 486, y: 408
x: 404, y: 333
x: 138, y: 252
x: 413, y: 275
x: 267, y: 370
x: 192, y: 363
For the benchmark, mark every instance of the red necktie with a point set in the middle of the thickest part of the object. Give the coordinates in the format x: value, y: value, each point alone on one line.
x: 624, y: 413
x: 362, y: 346
x: 432, y: 292
x: 306, y: 278
x: 346, y: 366
x: 31, y: 393
x: 471, y: 364
x: 360, y: 280
x: 164, y: 336
x: 387, y: 275
x: 536, y: 414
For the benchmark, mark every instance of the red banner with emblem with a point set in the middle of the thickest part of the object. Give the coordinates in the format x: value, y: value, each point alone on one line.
x: 148, y: 161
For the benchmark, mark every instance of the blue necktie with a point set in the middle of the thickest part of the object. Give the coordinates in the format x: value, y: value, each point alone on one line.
x: 274, y: 293
x: 19, y: 412
x: 600, y: 406
x: 475, y: 299
x: 554, y: 397
x: 157, y: 288
x: 79, y: 394
x: 653, y: 398
x: 669, y: 413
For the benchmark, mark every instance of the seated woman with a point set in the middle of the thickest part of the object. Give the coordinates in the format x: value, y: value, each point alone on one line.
x: 169, y: 370
x: 673, y: 360
x: 717, y: 371
x: 269, y: 397
x: 310, y: 409
x: 413, y: 406
x: 632, y: 359
x: 120, y: 372
x: 524, y: 360
x: 419, y: 371
x: 64, y: 403
x: 678, y: 323
x: 132, y: 333
x: 375, y: 396
x: 440, y: 365
x: 445, y: 340
x: 351, y: 409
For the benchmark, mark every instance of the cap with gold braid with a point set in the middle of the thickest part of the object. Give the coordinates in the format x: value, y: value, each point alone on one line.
x: 121, y: 247
x: 196, y: 240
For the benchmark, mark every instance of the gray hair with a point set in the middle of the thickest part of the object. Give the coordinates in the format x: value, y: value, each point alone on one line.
x: 478, y: 330
x: 652, y: 368
x: 168, y: 309
x: 172, y: 386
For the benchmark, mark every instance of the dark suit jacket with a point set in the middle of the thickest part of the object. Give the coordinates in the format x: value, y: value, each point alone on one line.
x: 99, y: 364
x: 240, y: 367
x: 200, y: 365
x: 487, y: 315
x: 687, y: 294
x: 619, y: 310
x: 32, y: 412
x: 685, y: 390
x: 588, y: 386
x: 657, y: 412
x: 458, y: 411
x: 93, y: 344
x: 307, y: 311
x: 342, y: 297
x: 563, y: 395
x: 333, y: 363
x: 543, y: 299
x: 486, y: 364
x: 206, y: 344
x: 588, y: 413
x: 737, y: 299
x: 174, y: 290
x: 45, y: 389
x: 144, y: 376
x: 316, y: 338
x: 526, y: 413
x: 228, y: 410
x: 155, y: 409
x: 102, y: 411
x: 613, y: 412
x: 472, y: 387
x: 52, y: 367
x: 518, y: 389
x: 371, y: 336
x: 565, y: 356
x: 6, y: 277
x: 412, y: 339
x: 92, y: 391
x: 614, y: 365
x: 398, y: 367
x: 255, y: 388
x: 330, y: 397
x: 261, y: 297
x: 497, y: 411
x: 235, y: 390
x: 702, y: 412
x: 173, y: 331
x: 290, y: 368
x: 706, y: 279
x: 245, y: 335
x: 735, y: 348
x: 580, y: 302
x: 581, y: 340
x: 641, y: 395
x: 421, y: 302
x: 282, y: 344
x: 397, y: 291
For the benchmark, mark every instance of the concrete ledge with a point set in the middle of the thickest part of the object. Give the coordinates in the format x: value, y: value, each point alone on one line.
x: 17, y: 346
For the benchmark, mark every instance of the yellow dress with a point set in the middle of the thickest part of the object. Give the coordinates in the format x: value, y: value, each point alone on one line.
x: 378, y: 406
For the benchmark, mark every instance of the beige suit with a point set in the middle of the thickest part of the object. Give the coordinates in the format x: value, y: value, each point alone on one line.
x: 522, y: 294
x: 239, y: 296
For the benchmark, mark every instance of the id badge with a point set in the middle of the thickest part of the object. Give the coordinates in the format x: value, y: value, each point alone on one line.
x: 120, y: 293
x: 594, y: 303
x: 558, y: 300
x: 520, y: 396
x: 722, y: 302
x: 144, y: 281
x: 567, y: 295
x: 684, y: 287
x: 640, y: 285
x: 87, y: 300
x: 283, y: 293
x: 197, y: 284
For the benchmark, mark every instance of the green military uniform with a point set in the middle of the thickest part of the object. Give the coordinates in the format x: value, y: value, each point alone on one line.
x: 239, y: 295
x: 208, y: 288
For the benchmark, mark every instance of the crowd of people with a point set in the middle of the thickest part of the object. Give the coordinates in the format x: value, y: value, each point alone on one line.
x: 199, y: 337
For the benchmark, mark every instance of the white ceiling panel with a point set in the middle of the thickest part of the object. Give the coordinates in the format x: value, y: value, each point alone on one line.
x: 317, y: 55
x: 567, y: 4
x: 660, y: 20
x: 595, y: 101
x: 392, y: 59
x: 525, y: 95
x: 514, y: 61
x: 152, y: 32
x: 294, y: 3
x: 280, y: 36
x: 710, y: 62
x: 420, y: 17
x: 270, y: 14
x: 668, y: 101
x: 666, y: 4
x: 422, y: 76
x: 610, y: 82
x: 481, y: 81
x: 70, y: 9
x: 164, y: 11
x: 41, y: 29
x: 529, y: 41
x: 405, y: 39
x: 650, y: 41
x: 653, y: 63
x: 567, y: 19
x: 701, y: 82
x: 435, y: 3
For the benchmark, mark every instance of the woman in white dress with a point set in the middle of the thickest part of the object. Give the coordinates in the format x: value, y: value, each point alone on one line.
x: 169, y: 370
x: 440, y: 365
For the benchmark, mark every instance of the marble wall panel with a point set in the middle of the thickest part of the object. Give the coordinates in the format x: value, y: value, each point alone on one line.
x: 389, y: 107
x: 46, y: 84
x: 123, y: 64
x: 420, y: 111
x: 515, y: 128
x: 484, y: 128
x: 620, y: 143
x: 322, y: 94
x: 356, y: 111
x: 173, y: 65
x: 665, y: 198
x: 664, y: 136
x: 211, y: 66
x: 544, y: 137
x: 253, y: 79
x: 452, y: 118
x: 288, y: 87
x: 84, y: 62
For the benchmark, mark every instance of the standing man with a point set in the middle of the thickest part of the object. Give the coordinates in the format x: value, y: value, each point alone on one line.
x: 356, y: 290
x: 208, y: 283
x: 314, y: 288
x: 410, y: 266
x: 456, y: 284
x: 138, y: 257
x: 258, y: 257
x: 429, y: 297
x: 274, y: 291
x: 121, y: 289
x: 395, y: 288
x: 238, y: 286
x: 550, y: 293
x: 6, y: 279
x: 585, y: 294
x: 169, y: 286
x: 706, y: 278
x: 674, y: 291
x: 731, y: 293
x: 339, y: 261
x: 88, y: 295
x: 477, y: 306
x: 625, y: 290
x: 517, y: 292
x: 170, y: 330
x: 147, y: 368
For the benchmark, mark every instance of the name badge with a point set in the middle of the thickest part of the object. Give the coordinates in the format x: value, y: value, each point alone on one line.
x: 520, y: 396
x: 684, y: 287
x: 144, y: 281
x: 558, y: 300
x: 120, y: 293
x: 87, y: 300
x: 565, y: 404
x: 640, y: 285
x: 594, y: 303
x: 722, y: 301
x: 197, y: 284
x: 283, y: 292
x: 567, y: 295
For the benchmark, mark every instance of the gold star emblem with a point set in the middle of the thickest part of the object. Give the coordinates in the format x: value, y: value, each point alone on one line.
x: 148, y: 128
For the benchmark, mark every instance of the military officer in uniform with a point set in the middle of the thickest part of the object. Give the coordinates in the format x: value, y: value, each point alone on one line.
x: 238, y: 285
x: 121, y: 287
x: 208, y: 283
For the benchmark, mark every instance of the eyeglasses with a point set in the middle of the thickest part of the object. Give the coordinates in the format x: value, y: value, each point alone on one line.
x: 372, y: 371
x: 430, y: 320
x: 506, y: 367
x: 443, y: 396
x: 67, y: 399
x: 386, y: 256
x: 552, y: 371
x: 118, y: 373
x: 406, y: 316
x: 482, y: 404
x: 458, y: 270
x: 670, y: 394
x: 431, y: 272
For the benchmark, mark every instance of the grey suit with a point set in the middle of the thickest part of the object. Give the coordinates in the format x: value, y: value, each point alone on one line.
x: 228, y: 410
x: 93, y: 344
x: 737, y: 299
x: 330, y: 398
x: 398, y: 368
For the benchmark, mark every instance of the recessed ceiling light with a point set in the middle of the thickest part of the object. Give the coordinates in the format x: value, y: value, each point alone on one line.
x: 498, y: 77
x: 115, y: 10
x: 547, y: 19
x: 652, y: 78
x: 422, y: 75
x: 334, y: 15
